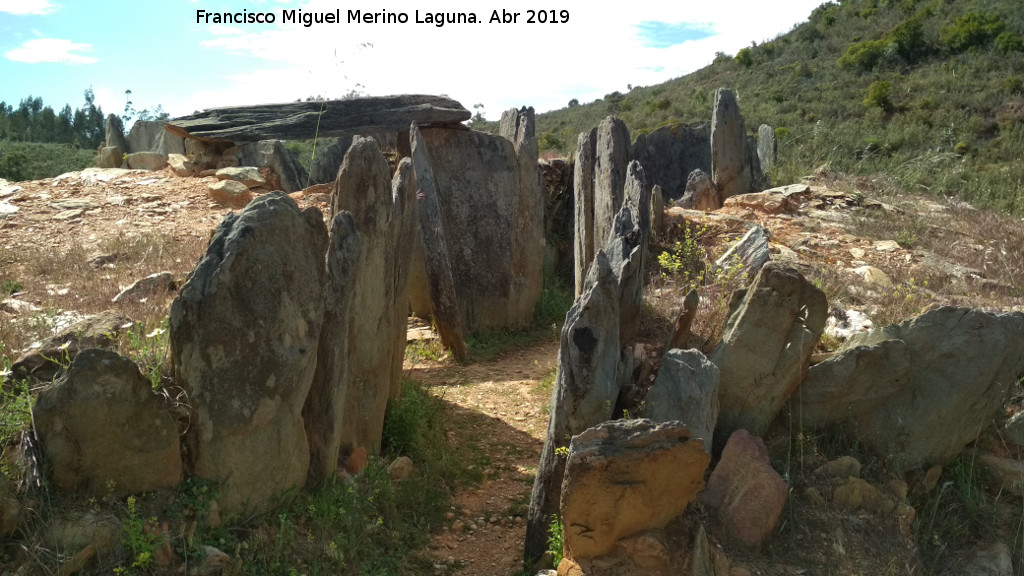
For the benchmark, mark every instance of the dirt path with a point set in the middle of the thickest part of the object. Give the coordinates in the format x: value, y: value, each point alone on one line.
x: 498, y: 412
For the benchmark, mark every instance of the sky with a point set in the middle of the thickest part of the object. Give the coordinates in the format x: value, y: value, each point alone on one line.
x: 169, y: 56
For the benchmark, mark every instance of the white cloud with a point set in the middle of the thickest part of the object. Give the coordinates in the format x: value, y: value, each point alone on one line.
x: 25, y: 7
x: 51, y: 50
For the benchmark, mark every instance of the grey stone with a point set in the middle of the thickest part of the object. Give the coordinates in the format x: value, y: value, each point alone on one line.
x: 181, y: 165
x: 244, y: 336
x: 248, y: 175
x: 583, y: 207
x: 766, y: 347
x: 751, y: 251
x: 767, y: 147
x: 152, y: 285
x: 229, y: 193
x: 150, y: 136
x: 327, y: 160
x: 1014, y: 429
x: 384, y: 214
x: 919, y: 391
x: 701, y: 193
x: 671, y: 153
x: 730, y: 162
x: 686, y: 389
x: 110, y: 157
x: 45, y: 363
x: 990, y: 560
x: 146, y: 160
x: 114, y: 134
x: 272, y: 154
x: 611, y: 159
x: 103, y: 429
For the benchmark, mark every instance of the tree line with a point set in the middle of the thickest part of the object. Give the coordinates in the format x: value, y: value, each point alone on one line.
x: 31, y: 121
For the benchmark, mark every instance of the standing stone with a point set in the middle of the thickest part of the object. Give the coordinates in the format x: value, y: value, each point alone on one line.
x: 272, y: 154
x: 670, y: 153
x: 630, y: 257
x: 328, y: 158
x: 589, y: 355
x: 686, y: 389
x: 383, y: 211
x: 583, y: 192
x: 701, y: 193
x: 626, y: 477
x: 150, y: 136
x: 611, y: 159
x: 767, y: 147
x: 657, y: 211
x: 730, y: 165
x: 103, y: 429
x: 324, y: 410
x: 114, y: 132
x: 110, y: 157
x: 244, y: 336
x: 766, y: 348
x: 146, y: 160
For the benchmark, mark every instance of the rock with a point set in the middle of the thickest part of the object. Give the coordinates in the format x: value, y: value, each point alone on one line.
x: 990, y: 560
x: 247, y: 175
x: 611, y: 159
x: 181, y: 165
x: 751, y: 252
x: 643, y: 554
x: 400, y: 469
x: 18, y: 307
x: 921, y: 390
x: 324, y: 410
x: 150, y: 136
x: 272, y: 154
x: 707, y: 560
x: 230, y: 193
x: 767, y: 202
x: 700, y: 193
x: 569, y: 568
x: 491, y: 208
x: 766, y: 347
x: 559, y: 215
x: 10, y: 510
x: 730, y: 166
x: 74, y: 204
x: 686, y: 390
x: 384, y: 214
x: 586, y: 386
x: 842, y: 467
x: 626, y: 477
x: 356, y: 461
x: 744, y: 492
x: 873, y: 275
x: 7, y: 210
x: 110, y: 157
x: 886, y: 246
x: 857, y: 494
x: 100, y: 530
x: 45, y: 363
x: 327, y: 161
x: 82, y: 420
x: 146, y: 161
x: 1009, y: 473
x: 244, y: 334
x: 583, y: 207
x: 657, y: 210
x: 65, y: 215
x: 1013, y: 430
x: 114, y: 135
x: 767, y: 147
x: 151, y: 285
x: 629, y: 257
x: 670, y: 154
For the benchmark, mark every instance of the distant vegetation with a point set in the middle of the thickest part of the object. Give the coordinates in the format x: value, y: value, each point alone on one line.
x: 928, y: 92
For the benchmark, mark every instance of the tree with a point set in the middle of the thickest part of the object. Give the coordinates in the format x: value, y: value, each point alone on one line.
x: 880, y: 95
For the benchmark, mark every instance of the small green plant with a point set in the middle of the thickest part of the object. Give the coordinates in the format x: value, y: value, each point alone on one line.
x: 880, y: 95
x: 970, y: 30
x: 149, y: 346
x: 8, y: 287
x: 556, y: 544
x: 684, y: 262
x: 562, y: 451
x: 906, y: 238
x: 140, y: 540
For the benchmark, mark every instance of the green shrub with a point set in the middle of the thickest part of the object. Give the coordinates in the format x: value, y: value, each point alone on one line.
x: 909, y: 39
x: 1014, y: 84
x: 880, y: 95
x: 1009, y: 42
x: 863, y: 55
x: 744, y: 58
x: 971, y: 30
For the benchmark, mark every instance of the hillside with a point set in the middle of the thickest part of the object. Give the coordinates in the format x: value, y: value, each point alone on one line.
x: 929, y: 93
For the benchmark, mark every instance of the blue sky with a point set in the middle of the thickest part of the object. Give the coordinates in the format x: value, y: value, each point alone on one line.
x: 56, y: 49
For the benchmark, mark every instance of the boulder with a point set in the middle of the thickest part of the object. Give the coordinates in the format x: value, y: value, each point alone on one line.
x: 671, y: 153
x: 767, y: 202
x: 384, y: 214
x: 10, y: 511
x: 181, y: 165
x: 626, y: 477
x: 730, y: 164
x: 751, y: 252
x: 110, y: 157
x: 114, y: 134
x: 45, y: 363
x: 324, y: 411
x: 767, y: 147
x: 146, y: 161
x: 229, y: 193
x: 745, y: 493
x: 103, y: 429
x: 327, y: 160
x: 244, y: 335
x: 150, y: 136
x: 766, y: 347
x: 247, y: 175
x: 919, y: 391
x: 685, y: 390
x: 700, y: 193
x: 152, y: 285
x: 272, y: 154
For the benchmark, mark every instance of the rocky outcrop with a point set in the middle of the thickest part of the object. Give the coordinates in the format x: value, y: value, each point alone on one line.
x: 244, y: 334
x: 272, y: 154
x: 82, y: 420
x: 671, y: 153
x: 324, y: 411
x: 766, y: 347
x: 685, y: 390
x: 919, y: 391
x: 587, y: 381
x: 150, y: 136
x: 384, y: 214
x: 626, y: 477
x: 730, y: 162
x: 745, y: 493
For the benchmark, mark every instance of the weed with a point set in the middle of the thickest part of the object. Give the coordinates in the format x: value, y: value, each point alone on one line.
x: 556, y: 544
x: 138, y: 537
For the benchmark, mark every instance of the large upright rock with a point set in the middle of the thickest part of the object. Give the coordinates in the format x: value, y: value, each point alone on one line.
x: 686, y: 389
x: 767, y: 147
x: 917, y: 392
x: 611, y: 159
x: 244, y: 337
x: 670, y: 153
x: 630, y: 257
x: 583, y: 207
x: 730, y: 162
x: 103, y: 429
x: 327, y: 160
x: 114, y: 134
x: 384, y: 215
x: 587, y: 384
x: 150, y: 136
x: 700, y: 193
x: 272, y: 154
x: 626, y: 477
x: 766, y: 348
x: 324, y: 410
x: 491, y: 206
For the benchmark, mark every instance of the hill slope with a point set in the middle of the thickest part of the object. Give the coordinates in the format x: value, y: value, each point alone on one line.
x: 930, y: 93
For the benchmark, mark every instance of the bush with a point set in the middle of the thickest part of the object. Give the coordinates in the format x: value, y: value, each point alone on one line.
x: 863, y: 55
x: 14, y: 166
x: 744, y: 58
x: 909, y: 40
x: 1009, y: 42
x: 971, y: 30
x: 880, y: 95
